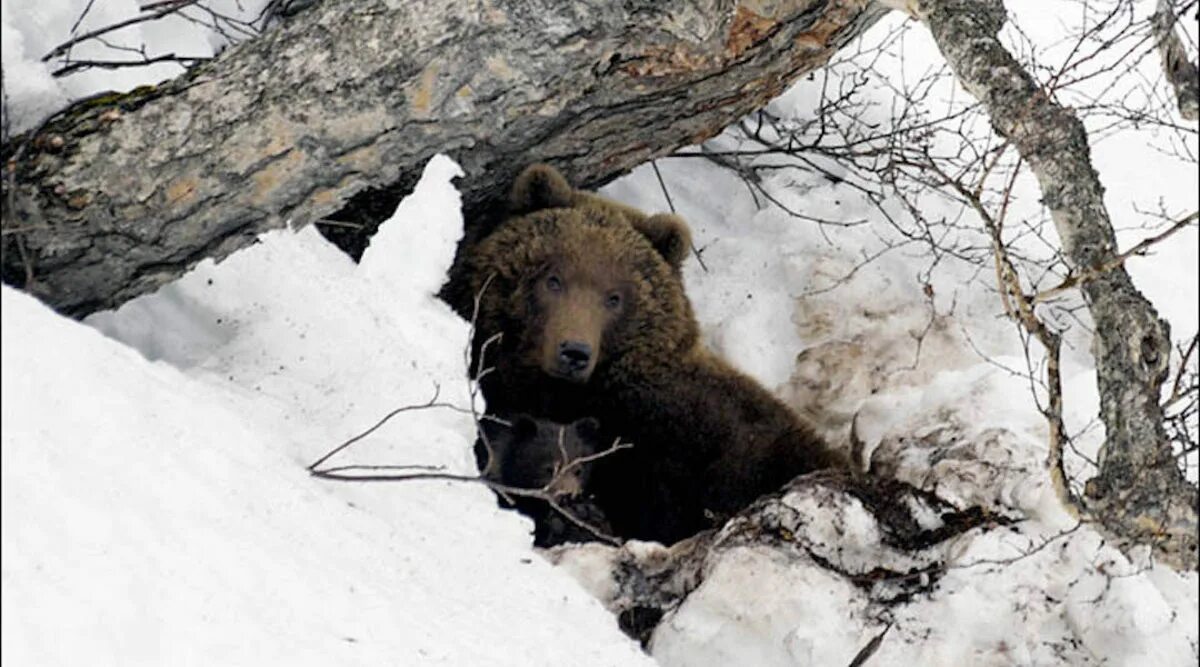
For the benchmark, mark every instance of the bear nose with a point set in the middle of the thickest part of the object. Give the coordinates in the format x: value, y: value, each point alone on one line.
x: 573, y: 356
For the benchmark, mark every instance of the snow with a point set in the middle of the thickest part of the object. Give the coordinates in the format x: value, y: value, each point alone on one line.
x: 156, y: 506
x: 786, y: 300
x: 30, y: 30
x: 783, y: 615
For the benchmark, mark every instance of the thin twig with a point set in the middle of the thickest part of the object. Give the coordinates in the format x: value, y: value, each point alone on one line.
x: 1095, y: 272
x: 869, y: 650
x: 167, y: 8
x: 663, y: 185
x: 671, y: 205
x: 480, y: 371
x: 432, y: 403
x: 78, y: 65
x: 1177, y: 386
x: 544, y: 493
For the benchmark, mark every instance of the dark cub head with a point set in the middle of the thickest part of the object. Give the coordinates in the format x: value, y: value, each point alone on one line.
x: 533, y: 453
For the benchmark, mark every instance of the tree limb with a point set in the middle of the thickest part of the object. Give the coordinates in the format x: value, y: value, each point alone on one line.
x: 1140, y: 249
x: 1181, y: 72
x: 1140, y: 495
x: 342, y: 97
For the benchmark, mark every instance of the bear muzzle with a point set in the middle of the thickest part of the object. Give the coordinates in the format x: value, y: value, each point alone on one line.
x: 574, y: 361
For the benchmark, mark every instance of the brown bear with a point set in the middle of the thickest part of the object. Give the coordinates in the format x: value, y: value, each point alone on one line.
x: 588, y: 300
x: 536, y: 454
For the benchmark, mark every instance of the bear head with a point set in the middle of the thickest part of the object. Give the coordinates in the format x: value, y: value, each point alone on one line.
x: 578, y: 285
x: 538, y: 454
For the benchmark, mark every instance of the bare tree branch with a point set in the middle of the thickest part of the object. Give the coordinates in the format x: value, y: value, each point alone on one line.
x: 149, y: 183
x: 545, y: 493
x: 1180, y: 71
x: 1140, y: 495
x: 79, y: 65
x: 153, y: 12
x: 1019, y: 308
x: 1140, y: 248
x: 432, y: 403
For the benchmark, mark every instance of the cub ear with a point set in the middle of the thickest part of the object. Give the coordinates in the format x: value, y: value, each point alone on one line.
x: 588, y: 429
x: 669, y: 235
x: 496, y: 432
x: 524, y: 428
x: 498, y: 437
x: 540, y: 186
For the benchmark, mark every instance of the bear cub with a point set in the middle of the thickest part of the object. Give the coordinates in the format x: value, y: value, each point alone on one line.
x: 537, y: 454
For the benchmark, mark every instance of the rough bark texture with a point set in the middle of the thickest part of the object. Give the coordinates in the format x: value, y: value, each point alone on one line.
x: 1140, y: 495
x: 1181, y: 73
x: 121, y: 194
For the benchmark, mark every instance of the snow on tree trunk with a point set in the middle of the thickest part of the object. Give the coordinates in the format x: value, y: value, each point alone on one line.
x: 117, y: 195
x: 1140, y: 495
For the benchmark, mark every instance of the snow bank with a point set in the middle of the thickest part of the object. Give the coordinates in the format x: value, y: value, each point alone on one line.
x: 922, y: 360
x: 156, y: 506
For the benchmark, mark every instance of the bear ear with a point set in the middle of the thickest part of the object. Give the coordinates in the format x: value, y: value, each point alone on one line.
x: 669, y: 235
x: 540, y: 186
x: 524, y: 428
x: 498, y: 437
x: 588, y: 429
x: 493, y: 429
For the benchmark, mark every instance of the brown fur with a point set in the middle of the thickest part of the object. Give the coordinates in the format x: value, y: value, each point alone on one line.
x: 540, y: 186
x: 707, y: 439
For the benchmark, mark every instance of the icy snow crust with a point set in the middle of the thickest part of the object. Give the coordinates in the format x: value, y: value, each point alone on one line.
x: 156, y: 508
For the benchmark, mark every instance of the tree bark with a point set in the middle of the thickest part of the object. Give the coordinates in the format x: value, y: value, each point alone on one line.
x: 120, y: 194
x: 1181, y: 73
x: 1140, y: 495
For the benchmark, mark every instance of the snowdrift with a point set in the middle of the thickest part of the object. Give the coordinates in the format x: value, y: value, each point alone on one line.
x: 157, y: 510
x: 157, y: 507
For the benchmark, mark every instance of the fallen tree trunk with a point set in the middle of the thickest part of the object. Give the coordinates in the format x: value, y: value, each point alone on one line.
x: 120, y: 194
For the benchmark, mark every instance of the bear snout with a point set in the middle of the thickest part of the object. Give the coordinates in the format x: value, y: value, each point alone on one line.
x: 574, y: 359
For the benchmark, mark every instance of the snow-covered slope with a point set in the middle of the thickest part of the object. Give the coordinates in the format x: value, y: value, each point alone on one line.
x: 157, y: 510
x: 938, y: 415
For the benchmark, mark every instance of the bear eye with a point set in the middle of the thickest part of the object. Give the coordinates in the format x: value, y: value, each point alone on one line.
x: 554, y: 284
x: 613, y: 301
